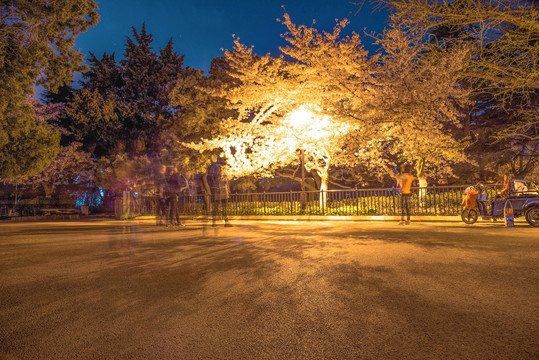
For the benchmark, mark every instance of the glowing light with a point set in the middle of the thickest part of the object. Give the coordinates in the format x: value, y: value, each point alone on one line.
x: 309, y: 124
x: 301, y: 117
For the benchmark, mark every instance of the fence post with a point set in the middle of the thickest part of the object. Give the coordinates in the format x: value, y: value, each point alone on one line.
x: 291, y: 203
x: 394, y: 205
x: 357, y: 202
x: 434, y: 191
x: 323, y: 202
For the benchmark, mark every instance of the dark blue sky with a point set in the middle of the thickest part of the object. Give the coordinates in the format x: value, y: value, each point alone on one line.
x: 201, y: 28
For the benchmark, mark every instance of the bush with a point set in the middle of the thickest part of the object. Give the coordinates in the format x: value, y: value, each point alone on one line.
x: 129, y: 216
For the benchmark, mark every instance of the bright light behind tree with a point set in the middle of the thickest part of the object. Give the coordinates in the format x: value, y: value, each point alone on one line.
x: 300, y: 118
x: 262, y: 146
x: 283, y: 106
x: 308, y: 124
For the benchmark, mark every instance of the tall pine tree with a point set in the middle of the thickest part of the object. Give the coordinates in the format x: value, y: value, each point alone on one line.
x: 36, y: 48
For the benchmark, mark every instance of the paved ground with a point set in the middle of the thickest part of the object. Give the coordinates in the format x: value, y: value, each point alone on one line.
x: 268, y: 290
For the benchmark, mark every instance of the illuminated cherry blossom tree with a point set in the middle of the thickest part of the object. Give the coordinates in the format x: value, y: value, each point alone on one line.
x: 419, y: 98
x: 303, y: 137
x: 294, y: 111
x: 325, y: 103
x: 501, y: 71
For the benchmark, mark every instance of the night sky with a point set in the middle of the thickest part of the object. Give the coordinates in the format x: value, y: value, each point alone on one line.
x: 201, y: 28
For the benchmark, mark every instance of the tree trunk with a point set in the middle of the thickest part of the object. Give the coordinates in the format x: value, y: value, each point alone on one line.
x: 48, y: 190
x: 420, y: 168
x: 422, y: 186
x: 16, y: 197
x: 323, y: 189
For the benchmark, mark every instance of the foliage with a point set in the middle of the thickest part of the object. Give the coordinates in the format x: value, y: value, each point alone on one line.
x: 26, y: 145
x: 125, y: 106
x: 92, y: 120
x: 501, y: 71
x: 419, y: 95
x: 293, y: 111
x: 40, y: 37
x: 245, y: 184
x: 120, y: 172
x: 503, y: 35
x: 325, y: 104
x: 36, y: 49
x: 71, y: 166
x: 201, y: 111
x: 125, y: 115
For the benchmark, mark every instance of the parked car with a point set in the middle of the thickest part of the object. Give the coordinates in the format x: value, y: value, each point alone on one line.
x: 523, y: 200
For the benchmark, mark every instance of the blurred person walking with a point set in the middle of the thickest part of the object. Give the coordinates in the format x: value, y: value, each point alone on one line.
x: 220, y: 191
x: 171, y: 195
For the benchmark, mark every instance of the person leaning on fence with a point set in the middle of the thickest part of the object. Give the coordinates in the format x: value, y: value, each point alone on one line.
x: 404, y: 183
x: 220, y: 191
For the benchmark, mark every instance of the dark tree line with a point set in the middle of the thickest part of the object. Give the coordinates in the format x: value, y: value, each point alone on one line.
x: 130, y: 115
x: 36, y: 48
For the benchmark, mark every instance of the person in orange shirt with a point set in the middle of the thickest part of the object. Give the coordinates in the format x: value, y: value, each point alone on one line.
x: 404, y: 183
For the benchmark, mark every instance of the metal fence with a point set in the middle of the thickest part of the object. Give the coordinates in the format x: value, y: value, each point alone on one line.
x: 435, y: 200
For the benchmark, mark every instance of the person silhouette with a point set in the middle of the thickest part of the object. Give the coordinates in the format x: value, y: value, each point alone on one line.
x: 404, y: 184
x: 171, y: 194
x: 220, y: 191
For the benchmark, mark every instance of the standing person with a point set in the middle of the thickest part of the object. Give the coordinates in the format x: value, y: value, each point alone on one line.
x: 404, y: 183
x: 218, y: 181
x: 172, y: 188
x: 507, y: 185
x: 160, y: 183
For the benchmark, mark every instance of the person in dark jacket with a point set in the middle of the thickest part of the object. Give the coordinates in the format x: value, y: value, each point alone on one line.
x: 220, y: 191
x: 171, y: 194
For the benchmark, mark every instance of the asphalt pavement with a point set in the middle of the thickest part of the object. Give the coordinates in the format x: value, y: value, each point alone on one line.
x: 268, y: 290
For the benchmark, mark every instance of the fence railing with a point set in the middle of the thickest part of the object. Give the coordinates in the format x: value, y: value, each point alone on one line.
x: 435, y: 200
